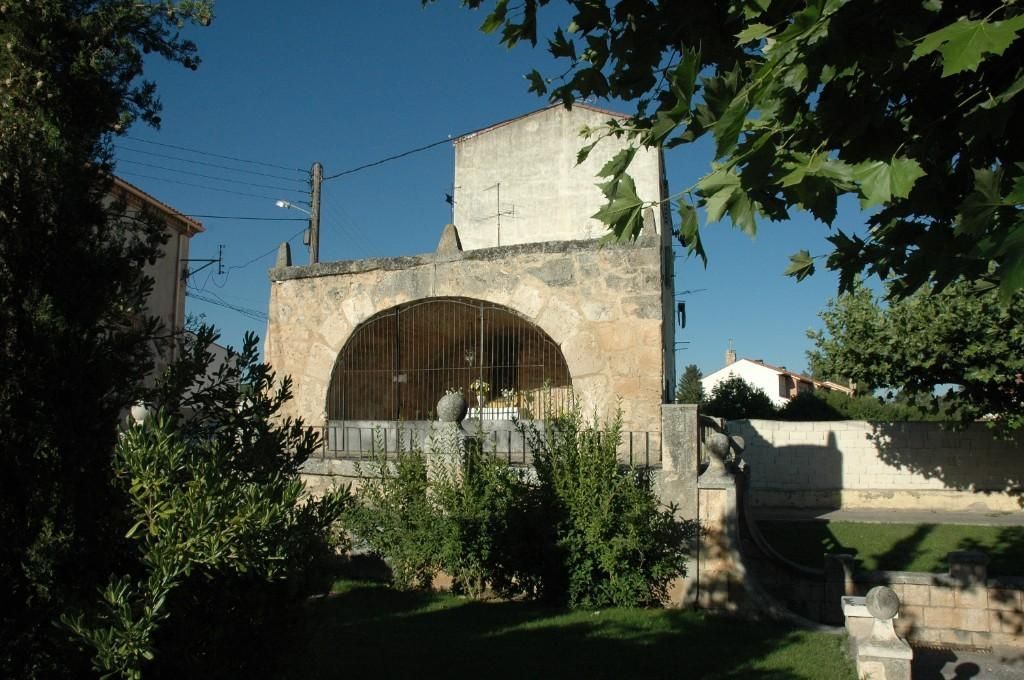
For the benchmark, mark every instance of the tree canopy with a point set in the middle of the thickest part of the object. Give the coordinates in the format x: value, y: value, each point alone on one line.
x: 960, y: 349
x: 73, y: 336
x: 734, y: 399
x: 912, y: 107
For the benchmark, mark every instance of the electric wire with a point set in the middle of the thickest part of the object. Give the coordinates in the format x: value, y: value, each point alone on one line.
x: 131, y: 173
x: 252, y: 314
x: 255, y: 219
x: 122, y: 147
x: 215, y: 155
x: 266, y: 254
x: 352, y: 235
x: 213, y: 177
x: 389, y: 158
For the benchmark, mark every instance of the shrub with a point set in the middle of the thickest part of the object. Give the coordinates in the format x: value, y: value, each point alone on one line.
x: 587, y: 532
x: 808, y: 406
x: 614, y: 545
x: 466, y: 516
x: 833, y: 405
x: 216, y: 523
x: 734, y: 399
x: 482, y: 508
x: 394, y: 518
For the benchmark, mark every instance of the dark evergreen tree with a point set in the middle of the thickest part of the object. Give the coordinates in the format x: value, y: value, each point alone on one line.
x: 689, y: 390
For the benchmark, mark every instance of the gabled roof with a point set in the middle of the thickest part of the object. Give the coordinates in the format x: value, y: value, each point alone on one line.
x: 186, y: 225
x: 576, y: 105
x: 826, y: 384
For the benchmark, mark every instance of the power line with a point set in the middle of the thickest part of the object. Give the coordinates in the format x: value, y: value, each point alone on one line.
x: 213, y: 177
x: 253, y: 314
x: 257, y: 219
x: 266, y: 254
x: 122, y: 147
x: 215, y: 155
x: 200, y: 186
x: 389, y: 158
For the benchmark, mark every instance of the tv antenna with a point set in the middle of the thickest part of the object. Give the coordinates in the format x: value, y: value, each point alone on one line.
x: 208, y: 262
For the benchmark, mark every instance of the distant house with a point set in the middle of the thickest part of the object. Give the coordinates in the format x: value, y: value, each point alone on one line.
x: 167, y: 299
x: 779, y: 384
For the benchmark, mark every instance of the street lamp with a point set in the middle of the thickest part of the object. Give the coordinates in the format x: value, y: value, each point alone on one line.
x: 306, y: 235
x: 287, y: 204
x: 312, y: 238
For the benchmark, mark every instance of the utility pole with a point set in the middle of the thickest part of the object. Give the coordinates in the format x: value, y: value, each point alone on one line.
x: 316, y: 178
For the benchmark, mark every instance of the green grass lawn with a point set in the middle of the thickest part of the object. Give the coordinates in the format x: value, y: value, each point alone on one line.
x: 897, y: 547
x: 367, y: 630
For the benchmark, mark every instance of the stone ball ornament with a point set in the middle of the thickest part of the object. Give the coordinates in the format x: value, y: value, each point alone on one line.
x: 882, y: 603
x: 452, y: 408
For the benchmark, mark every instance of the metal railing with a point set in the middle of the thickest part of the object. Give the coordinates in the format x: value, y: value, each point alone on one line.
x: 365, y: 441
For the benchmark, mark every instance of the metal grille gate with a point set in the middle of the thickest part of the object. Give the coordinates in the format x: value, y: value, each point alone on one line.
x: 398, y: 363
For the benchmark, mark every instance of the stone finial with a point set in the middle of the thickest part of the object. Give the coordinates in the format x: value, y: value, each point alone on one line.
x: 451, y: 408
x: 450, y: 244
x: 882, y: 603
x: 718, y: 445
x: 883, y: 655
x: 718, y: 448
x: 649, y: 232
x: 284, y: 255
x: 447, y: 438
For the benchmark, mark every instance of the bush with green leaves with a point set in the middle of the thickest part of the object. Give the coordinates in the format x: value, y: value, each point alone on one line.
x: 834, y: 405
x: 461, y: 513
x: 484, y: 523
x: 735, y: 399
x: 614, y: 544
x: 218, y: 520
x: 585, y: 531
x: 393, y: 517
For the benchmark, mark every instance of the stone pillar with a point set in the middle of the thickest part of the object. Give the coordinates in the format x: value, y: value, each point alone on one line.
x: 447, y: 441
x: 720, y: 573
x: 838, y: 583
x: 883, y: 655
x: 676, y: 483
x: 679, y: 458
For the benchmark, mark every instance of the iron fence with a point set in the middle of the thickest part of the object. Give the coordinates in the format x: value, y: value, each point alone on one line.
x: 515, y: 445
x: 397, y: 363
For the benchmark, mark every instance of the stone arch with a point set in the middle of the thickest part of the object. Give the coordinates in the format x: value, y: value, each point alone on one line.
x: 399, y: 361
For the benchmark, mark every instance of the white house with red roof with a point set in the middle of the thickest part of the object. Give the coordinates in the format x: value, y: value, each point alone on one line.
x: 777, y: 382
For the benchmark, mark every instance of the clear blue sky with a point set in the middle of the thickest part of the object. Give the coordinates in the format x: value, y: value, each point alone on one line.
x: 348, y: 83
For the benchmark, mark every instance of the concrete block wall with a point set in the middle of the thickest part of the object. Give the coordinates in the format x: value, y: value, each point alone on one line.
x: 855, y: 464
x: 940, y: 609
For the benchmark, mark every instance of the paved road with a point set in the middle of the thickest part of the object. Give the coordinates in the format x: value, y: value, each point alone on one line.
x: 954, y: 664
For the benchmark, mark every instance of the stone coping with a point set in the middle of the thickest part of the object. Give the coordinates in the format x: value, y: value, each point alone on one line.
x: 410, y: 261
x: 921, y: 578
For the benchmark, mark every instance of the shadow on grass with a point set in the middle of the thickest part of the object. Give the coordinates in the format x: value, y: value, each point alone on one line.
x: 374, y: 631
x: 904, y: 551
x: 1006, y: 552
x: 804, y: 542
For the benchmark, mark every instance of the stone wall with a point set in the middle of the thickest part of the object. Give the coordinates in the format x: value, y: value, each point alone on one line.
x: 601, y: 304
x: 853, y: 464
x: 959, y: 609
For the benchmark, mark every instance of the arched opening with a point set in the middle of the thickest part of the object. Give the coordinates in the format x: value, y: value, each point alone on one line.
x: 397, y: 364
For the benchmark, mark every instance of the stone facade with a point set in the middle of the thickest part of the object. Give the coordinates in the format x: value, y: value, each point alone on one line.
x: 601, y: 304
x: 518, y: 181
